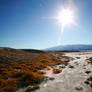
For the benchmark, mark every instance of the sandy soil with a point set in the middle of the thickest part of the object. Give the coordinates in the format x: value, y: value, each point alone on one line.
x: 70, y: 79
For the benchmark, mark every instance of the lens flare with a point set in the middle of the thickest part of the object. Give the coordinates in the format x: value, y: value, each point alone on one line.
x: 66, y: 17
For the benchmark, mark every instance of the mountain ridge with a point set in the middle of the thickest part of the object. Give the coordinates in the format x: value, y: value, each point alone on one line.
x: 72, y: 47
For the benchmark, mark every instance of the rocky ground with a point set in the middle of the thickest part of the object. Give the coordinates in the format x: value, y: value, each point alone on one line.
x: 73, y: 76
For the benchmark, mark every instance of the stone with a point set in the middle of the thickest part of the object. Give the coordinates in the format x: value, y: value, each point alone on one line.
x: 87, y: 71
x: 51, y: 78
x: 89, y: 81
x: 78, y: 57
x: 63, y: 66
x: 90, y: 84
x: 86, y: 82
x: 31, y: 88
x: 78, y: 88
x: 70, y: 66
x: 84, y: 67
x: 89, y: 78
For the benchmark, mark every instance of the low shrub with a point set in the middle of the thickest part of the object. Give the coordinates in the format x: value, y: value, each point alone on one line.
x: 20, y: 68
x: 30, y: 78
x: 55, y: 70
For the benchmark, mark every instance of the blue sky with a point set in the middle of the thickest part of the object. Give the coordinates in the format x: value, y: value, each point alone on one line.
x: 26, y: 24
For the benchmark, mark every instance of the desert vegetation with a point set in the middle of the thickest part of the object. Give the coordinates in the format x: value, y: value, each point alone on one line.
x: 89, y: 81
x: 20, y: 68
x: 90, y: 60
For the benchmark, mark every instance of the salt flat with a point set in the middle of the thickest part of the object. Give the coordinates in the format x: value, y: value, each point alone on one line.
x: 70, y: 79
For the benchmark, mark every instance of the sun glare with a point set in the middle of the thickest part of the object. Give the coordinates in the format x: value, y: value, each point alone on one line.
x: 66, y: 17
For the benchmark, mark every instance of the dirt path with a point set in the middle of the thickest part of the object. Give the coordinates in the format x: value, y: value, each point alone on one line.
x: 70, y: 79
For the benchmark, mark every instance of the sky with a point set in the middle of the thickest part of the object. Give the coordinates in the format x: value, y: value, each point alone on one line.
x: 30, y: 23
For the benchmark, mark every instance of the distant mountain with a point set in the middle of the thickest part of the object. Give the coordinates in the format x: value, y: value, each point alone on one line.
x: 71, y: 48
x: 27, y: 50
x: 8, y: 48
x: 33, y: 50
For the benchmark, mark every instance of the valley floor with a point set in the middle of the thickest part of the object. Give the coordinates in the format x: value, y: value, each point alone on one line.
x: 22, y: 71
x: 71, y: 79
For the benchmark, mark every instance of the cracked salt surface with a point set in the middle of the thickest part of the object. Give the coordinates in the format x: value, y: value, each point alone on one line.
x: 70, y: 79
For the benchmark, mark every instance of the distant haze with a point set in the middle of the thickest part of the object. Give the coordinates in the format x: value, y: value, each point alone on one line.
x: 71, y: 47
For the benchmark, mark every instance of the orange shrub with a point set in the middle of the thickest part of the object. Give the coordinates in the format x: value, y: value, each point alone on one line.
x: 90, y: 60
x: 20, y: 68
x: 48, y: 68
x: 55, y: 70
x: 30, y: 78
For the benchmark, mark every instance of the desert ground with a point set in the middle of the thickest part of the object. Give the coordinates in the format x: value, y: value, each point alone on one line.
x: 73, y: 76
x: 39, y: 71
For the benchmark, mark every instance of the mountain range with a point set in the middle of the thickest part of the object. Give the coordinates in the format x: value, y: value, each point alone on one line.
x: 75, y: 47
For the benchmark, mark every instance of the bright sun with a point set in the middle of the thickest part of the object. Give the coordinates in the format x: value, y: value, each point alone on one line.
x: 66, y: 17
